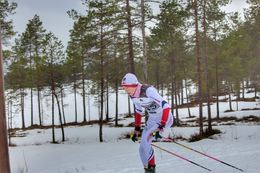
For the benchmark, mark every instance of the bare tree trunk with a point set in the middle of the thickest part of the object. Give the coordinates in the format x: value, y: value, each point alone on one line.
x: 157, y: 74
x: 216, y: 74
x: 101, y: 83
x: 162, y: 88
x: 31, y: 106
x: 172, y: 95
x: 22, y: 108
x: 176, y: 104
x: 237, y: 103
x: 206, y: 66
x: 198, y: 67
x: 31, y: 61
x: 10, y: 120
x: 172, y: 99
x: 88, y: 108
x: 107, y: 101
x: 62, y: 105
x: 4, y: 153
x: 84, y: 99
x: 60, y: 116
x: 129, y: 106
x: 217, y: 87
x: 101, y: 103
x: 116, y: 116
x: 178, y: 94
x: 182, y: 95
x: 83, y: 87
x: 238, y: 95
x: 145, y: 68
x: 75, y: 102
x: 52, y: 113
x: 230, y: 99
x: 243, y: 89
x: 187, y: 97
x: 130, y: 39
x: 174, y: 84
x: 238, y: 90
x: 168, y: 95
x: 39, y: 106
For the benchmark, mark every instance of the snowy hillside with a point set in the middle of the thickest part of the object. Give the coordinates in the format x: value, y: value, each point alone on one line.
x: 238, y: 145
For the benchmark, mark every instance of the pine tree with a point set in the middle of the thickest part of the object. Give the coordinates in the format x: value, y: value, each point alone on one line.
x: 54, y: 76
x: 104, y: 14
x: 168, y: 39
x: 5, y: 32
x: 4, y: 157
x: 198, y: 57
x: 82, y: 40
x: 17, y: 76
x: 6, y: 24
x: 252, y: 31
x: 32, y: 47
x: 216, y: 30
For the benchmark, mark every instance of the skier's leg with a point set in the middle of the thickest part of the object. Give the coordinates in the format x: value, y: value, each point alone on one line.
x: 146, y: 150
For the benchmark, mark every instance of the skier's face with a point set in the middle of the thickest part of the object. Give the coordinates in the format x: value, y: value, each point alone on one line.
x: 130, y: 89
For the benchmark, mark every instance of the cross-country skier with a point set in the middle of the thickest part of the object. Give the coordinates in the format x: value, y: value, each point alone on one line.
x: 159, y: 116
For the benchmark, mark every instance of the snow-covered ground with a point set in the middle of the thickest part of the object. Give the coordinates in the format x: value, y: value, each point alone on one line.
x: 83, y: 153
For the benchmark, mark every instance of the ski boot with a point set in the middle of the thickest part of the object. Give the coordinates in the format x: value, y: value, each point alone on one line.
x: 157, y: 136
x: 150, y: 169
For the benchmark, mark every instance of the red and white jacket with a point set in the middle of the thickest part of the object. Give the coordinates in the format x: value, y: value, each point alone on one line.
x: 147, y: 97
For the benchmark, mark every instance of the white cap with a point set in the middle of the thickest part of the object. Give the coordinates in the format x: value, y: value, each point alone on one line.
x: 129, y: 80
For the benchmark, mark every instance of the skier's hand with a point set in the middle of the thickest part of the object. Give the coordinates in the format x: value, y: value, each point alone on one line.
x: 160, y: 127
x: 137, y: 130
x: 133, y: 137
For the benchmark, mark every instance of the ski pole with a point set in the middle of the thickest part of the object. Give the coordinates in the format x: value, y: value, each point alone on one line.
x: 180, y: 157
x: 208, y: 156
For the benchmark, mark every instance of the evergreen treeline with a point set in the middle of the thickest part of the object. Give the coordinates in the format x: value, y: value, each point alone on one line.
x: 192, y: 42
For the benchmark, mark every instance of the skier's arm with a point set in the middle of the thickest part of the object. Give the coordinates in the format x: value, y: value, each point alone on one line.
x: 165, y: 116
x: 138, y: 117
x: 138, y: 120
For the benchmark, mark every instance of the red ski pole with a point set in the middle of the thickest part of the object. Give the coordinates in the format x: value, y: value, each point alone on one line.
x: 183, y: 158
x: 208, y: 156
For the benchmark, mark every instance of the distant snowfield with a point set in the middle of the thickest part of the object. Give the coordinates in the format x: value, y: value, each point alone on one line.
x: 92, y: 110
x: 83, y: 153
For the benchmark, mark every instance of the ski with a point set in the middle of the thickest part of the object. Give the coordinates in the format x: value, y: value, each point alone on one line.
x: 207, y: 155
x: 181, y: 157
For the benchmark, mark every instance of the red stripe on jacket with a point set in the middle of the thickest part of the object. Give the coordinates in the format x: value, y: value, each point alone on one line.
x: 138, y: 118
x: 165, y: 116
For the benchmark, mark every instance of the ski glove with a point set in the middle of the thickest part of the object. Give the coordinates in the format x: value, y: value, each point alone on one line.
x: 133, y: 137
x: 135, y: 134
x: 137, y: 129
x: 161, y: 126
